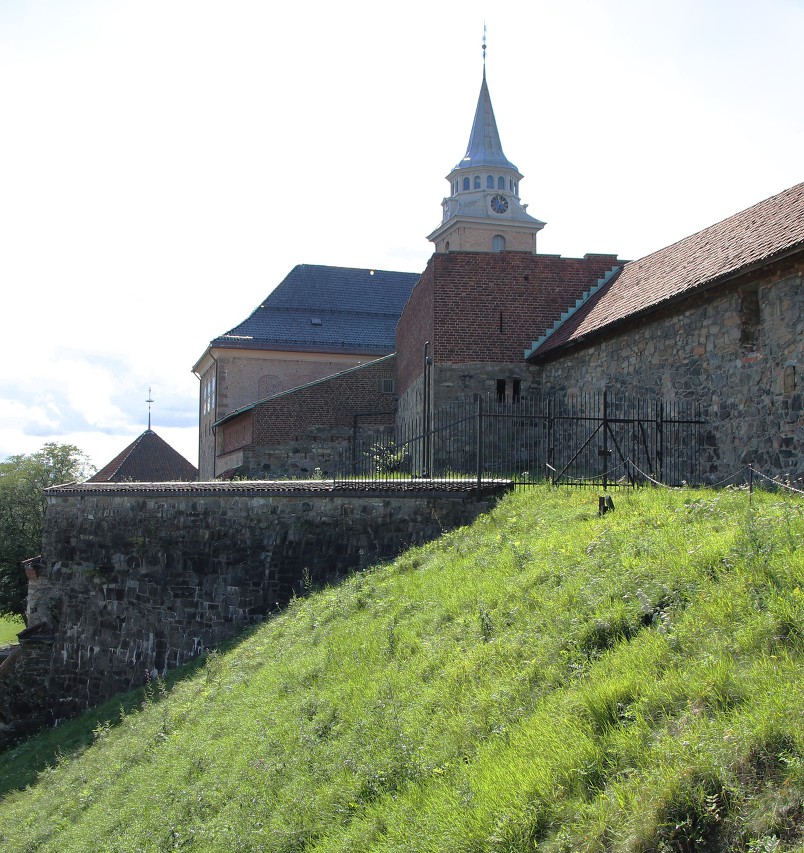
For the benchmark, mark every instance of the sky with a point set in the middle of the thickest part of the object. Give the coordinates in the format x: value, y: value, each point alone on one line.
x: 165, y: 163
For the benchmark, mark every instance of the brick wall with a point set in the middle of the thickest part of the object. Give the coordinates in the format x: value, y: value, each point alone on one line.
x: 484, y: 307
x: 304, y: 429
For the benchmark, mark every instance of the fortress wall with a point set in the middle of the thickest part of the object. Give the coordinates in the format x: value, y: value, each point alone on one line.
x: 139, y: 578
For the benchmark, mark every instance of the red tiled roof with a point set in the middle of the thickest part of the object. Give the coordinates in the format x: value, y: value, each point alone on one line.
x: 148, y: 459
x: 757, y: 235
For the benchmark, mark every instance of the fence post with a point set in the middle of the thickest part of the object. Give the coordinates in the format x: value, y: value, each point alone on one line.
x: 426, y: 415
x: 605, y: 439
x: 479, y: 444
x: 750, y: 484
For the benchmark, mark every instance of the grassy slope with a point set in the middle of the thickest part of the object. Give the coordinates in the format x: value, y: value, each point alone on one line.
x: 545, y: 677
x: 9, y: 628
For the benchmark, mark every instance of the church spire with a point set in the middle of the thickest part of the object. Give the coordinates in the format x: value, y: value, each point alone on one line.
x: 485, y: 148
x: 483, y: 212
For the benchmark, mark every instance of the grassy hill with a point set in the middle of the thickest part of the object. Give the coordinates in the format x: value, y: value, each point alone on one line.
x: 543, y: 680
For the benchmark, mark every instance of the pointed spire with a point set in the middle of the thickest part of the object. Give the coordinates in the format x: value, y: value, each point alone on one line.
x: 485, y: 148
x: 149, y: 401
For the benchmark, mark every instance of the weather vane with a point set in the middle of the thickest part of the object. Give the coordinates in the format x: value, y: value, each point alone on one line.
x: 484, y: 46
x: 149, y: 401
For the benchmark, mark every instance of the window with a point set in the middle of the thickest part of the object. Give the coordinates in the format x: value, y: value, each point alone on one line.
x: 511, y: 184
x: 466, y: 183
x: 749, y: 319
x: 388, y: 385
x: 500, y: 390
x: 498, y: 243
x: 489, y: 182
x: 477, y: 182
x: 501, y: 183
x: 516, y: 389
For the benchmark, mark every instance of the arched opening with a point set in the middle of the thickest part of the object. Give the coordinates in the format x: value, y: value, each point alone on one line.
x: 498, y: 243
x: 466, y: 183
x: 501, y: 183
x: 489, y: 182
x: 477, y: 182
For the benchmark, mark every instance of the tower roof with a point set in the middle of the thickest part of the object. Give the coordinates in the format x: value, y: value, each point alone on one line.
x: 485, y: 148
x: 148, y: 459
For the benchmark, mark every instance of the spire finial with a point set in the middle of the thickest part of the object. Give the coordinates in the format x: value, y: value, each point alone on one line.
x: 149, y: 401
x: 484, y: 48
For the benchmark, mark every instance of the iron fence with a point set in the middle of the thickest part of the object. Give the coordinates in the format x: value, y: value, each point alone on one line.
x: 600, y: 438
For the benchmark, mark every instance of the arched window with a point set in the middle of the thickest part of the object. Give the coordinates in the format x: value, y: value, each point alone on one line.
x: 446, y: 246
x: 516, y: 187
x: 477, y: 182
x: 466, y: 183
x: 497, y: 243
x: 511, y: 184
x: 501, y: 183
x: 489, y: 182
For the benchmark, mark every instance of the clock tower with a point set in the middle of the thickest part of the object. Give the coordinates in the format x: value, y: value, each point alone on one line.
x: 483, y: 212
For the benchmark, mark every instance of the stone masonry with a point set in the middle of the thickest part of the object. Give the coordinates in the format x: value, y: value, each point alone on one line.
x: 139, y: 578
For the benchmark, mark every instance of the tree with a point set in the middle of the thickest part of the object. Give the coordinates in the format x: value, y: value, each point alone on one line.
x: 23, y: 480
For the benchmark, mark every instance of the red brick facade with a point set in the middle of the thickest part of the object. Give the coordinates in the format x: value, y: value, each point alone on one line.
x: 323, y: 411
x: 484, y: 307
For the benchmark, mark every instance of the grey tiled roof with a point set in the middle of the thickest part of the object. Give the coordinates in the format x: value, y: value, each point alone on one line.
x: 327, y: 309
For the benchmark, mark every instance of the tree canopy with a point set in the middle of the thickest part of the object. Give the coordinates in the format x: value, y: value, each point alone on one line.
x: 23, y: 479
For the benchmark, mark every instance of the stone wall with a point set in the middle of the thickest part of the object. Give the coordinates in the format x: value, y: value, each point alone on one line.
x: 23, y: 692
x: 736, y: 350
x: 139, y: 578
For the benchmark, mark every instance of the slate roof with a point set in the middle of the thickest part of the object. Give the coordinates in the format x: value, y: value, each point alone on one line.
x: 327, y: 309
x: 752, y: 238
x: 148, y: 459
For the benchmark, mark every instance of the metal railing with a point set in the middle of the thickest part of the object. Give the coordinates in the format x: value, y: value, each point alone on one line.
x: 600, y: 438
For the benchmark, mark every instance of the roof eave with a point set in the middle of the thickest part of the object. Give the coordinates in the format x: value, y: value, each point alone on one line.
x: 665, y: 303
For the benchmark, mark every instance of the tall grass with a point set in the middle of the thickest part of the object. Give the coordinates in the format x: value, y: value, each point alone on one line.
x: 544, y: 679
x: 9, y: 628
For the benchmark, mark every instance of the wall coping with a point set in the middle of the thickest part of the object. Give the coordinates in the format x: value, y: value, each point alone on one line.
x: 314, y: 488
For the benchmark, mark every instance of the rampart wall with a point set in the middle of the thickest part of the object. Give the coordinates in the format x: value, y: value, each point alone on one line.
x: 139, y: 578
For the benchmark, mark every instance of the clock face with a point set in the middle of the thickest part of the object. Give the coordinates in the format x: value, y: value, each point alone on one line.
x: 499, y: 203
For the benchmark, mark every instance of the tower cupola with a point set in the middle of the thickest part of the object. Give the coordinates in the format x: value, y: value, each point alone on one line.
x: 483, y: 212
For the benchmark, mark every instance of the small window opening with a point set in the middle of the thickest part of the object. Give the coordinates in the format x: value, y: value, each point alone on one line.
x: 501, y: 323
x: 749, y: 319
x: 466, y: 183
x: 501, y: 183
x: 498, y: 243
x: 500, y: 390
x: 516, y: 390
x: 477, y: 182
x: 315, y: 321
x: 388, y: 385
x: 490, y: 182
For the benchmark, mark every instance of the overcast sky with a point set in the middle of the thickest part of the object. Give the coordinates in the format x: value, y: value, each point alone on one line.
x: 165, y: 163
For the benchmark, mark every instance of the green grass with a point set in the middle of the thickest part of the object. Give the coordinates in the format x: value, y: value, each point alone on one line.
x: 9, y: 627
x: 546, y: 679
